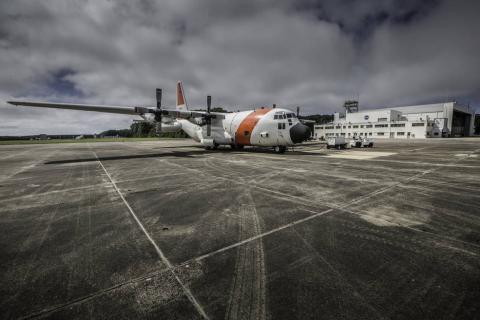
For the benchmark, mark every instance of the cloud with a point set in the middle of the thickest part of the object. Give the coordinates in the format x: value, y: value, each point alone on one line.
x: 248, y: 53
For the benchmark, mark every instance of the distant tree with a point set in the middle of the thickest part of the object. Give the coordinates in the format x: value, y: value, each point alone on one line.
x: 124, y: 133
x: 142, y: 129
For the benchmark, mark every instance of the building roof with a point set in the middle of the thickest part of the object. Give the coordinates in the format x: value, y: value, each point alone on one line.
x: 433, y: 107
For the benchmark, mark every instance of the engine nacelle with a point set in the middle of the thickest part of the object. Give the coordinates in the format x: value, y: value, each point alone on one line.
x: 169, y: 127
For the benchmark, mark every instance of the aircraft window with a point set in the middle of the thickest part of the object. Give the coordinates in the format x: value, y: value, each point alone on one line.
x: 289, y: 115
x: 284, y: 116
x: 246, y: 133
x: 275, y: 117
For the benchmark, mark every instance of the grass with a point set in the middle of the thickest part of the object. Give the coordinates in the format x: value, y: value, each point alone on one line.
x: 9, y: 142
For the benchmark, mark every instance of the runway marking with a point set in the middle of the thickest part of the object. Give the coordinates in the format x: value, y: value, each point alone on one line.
x: 375, y: 160
x: 417, y: 149
x: 261, y: 235
x: 360, y: 155
x: 164, y: 259
x: 332, y: 207
x: 245, y: 241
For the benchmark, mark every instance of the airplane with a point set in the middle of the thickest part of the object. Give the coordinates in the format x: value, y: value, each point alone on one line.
x: 276, y: 128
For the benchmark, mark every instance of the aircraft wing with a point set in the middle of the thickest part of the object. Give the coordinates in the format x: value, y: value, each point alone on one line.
x: 82, y: 107
x: 185, y: 114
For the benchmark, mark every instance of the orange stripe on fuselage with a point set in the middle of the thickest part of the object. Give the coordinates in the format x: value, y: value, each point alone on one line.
x: 247, y: 125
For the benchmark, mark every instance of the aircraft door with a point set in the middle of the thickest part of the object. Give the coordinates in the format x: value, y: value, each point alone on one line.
x: 282, y: 131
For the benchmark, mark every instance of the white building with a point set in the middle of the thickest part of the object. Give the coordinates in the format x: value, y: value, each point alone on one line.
x: 422, y: 121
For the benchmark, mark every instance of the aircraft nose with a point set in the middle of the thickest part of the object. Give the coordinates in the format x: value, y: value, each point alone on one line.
x: 299, y: 133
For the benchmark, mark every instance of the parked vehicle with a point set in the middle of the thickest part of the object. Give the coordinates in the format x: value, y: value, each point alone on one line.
x: 336, y: 142
x: 359, y: 142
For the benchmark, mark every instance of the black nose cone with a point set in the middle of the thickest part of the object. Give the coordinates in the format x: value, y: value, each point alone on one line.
x: 299, y: 133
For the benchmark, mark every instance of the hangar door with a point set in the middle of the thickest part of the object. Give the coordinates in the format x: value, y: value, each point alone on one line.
x: 460, y: 124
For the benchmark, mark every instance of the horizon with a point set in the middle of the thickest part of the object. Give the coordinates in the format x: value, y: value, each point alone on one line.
x: 312, y: 54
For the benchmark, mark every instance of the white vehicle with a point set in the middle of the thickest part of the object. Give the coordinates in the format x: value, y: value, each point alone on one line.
x: 266, y: 127
x: 336, y: 142
x: 359, y: 142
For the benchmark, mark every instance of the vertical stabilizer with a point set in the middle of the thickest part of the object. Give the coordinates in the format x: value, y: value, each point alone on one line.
x: 181, y: 101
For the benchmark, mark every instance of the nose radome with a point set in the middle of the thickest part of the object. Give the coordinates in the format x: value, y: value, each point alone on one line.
x: 299, y: 133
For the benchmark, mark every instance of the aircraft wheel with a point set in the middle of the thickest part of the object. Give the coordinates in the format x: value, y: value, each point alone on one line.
x: 279, y: 149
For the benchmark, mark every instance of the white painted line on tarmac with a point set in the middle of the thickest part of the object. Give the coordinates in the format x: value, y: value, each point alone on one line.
x: 164, y: 259
x: 264, y: 234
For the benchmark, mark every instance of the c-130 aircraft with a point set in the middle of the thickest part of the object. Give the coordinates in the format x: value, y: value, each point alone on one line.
x: 264, y: 127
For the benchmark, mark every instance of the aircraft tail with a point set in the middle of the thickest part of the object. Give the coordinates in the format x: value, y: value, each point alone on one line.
x: 181, y: 101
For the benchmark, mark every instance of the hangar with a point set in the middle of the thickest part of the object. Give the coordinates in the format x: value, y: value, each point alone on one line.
x: 437, y: 120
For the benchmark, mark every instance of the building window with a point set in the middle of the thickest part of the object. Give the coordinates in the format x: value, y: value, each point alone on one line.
x: 397, y: 125
x: 419, y: 124
x: 369, y: 133
x: 338, y: 127
x: 349, y: 127
x: 344, y: 127
x: 435, y: 134
x: 380, y: 134
x: 381, y: 126
x: 400, y: 133
x: 382, y: 119
x: 343, y: 134
x: 355, y: 126
x: 361, y: 126
x: 368, y: 126
x: 330, y: 127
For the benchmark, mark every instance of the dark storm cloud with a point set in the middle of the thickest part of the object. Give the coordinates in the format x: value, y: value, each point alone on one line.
x: 246, y: 53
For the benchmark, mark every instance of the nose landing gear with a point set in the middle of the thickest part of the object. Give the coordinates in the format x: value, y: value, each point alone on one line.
x: 279, y: 149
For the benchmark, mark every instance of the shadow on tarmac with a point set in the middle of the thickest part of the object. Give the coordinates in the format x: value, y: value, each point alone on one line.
x: 181, y: 154
x: 186, y: 154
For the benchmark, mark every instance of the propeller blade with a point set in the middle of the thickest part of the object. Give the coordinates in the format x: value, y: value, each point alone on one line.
x: 158, y: 114
x: 159, y: 98
x: 298, y: 112
x: 209, y: 120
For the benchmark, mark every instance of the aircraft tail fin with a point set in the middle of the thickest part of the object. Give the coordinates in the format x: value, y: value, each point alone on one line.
x: 181, y: 101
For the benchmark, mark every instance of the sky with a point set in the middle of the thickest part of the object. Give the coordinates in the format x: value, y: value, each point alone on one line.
x: 249, y: 53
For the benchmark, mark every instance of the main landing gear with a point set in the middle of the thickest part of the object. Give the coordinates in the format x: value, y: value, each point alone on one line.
x: 236, y: 146
x: 279, y: 149
x: 214, y: 147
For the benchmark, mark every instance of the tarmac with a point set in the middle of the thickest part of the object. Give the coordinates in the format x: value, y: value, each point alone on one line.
x: 168, y: 230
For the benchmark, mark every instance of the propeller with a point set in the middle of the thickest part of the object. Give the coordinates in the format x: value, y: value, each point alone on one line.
x: 298, y: 112
x: 208, y: 119
x: 158, y: 112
